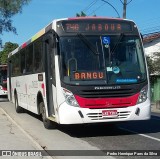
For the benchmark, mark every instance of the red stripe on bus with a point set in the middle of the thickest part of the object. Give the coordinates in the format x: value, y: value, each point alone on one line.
x: 43, y: 87
x: 24, y: 45
x: 107, y: 102
x: 4, y: 88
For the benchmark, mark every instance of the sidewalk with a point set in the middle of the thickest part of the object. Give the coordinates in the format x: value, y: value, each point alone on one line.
x: 13, y: 137
x: 154, y: 108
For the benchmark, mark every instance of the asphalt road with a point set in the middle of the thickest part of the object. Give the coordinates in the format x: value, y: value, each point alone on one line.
x: 137, y: 135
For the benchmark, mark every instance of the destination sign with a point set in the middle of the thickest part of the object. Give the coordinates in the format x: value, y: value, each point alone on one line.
x: 96, y: 26
x: 83, y: 75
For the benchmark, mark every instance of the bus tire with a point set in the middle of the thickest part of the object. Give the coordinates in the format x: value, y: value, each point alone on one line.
x: 17, y: 107
x: 48, y: 124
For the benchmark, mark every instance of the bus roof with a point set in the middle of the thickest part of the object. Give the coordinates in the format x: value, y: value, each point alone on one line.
x: 52, y: 26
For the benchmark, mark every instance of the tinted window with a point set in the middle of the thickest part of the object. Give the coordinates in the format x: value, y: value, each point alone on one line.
x: 23, y: 62
x: 38, y: 62
x: 15, y: 65
x: 29, y: 58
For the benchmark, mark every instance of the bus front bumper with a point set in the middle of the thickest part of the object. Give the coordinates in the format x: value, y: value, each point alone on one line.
x: 76, y: 115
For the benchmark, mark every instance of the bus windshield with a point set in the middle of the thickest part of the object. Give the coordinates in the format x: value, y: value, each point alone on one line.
x: 107, y: 59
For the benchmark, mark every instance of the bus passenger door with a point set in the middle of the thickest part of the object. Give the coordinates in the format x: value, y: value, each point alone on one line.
x: 49, y: 76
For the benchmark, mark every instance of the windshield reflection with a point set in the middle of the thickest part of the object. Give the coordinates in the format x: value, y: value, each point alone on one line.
x: 92, y: 60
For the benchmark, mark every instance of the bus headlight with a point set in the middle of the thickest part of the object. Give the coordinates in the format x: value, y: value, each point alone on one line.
x: 143, y: 95
x: 69, y: 97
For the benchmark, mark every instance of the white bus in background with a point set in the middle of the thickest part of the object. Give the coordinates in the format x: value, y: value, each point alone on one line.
x: 3, y: 81
x: 81, y: 70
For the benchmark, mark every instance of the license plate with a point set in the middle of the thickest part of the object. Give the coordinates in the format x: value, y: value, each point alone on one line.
x: 109, y: 113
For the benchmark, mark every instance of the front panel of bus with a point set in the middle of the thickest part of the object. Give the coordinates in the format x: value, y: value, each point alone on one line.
x: 103, y: 75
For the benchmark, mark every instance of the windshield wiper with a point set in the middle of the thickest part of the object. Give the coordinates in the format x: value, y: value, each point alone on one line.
x: 88, y: 43
x: 117, y: 43
x: 111, y: 52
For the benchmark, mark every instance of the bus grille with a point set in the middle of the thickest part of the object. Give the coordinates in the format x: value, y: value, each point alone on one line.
x: 106, y: 93
x: 98, y: 116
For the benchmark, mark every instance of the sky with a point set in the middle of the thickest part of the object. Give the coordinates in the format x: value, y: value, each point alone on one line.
x: 39, y: 13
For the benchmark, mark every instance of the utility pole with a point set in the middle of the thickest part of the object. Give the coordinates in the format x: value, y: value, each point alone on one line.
x: 125, y: 3
x: 124, y: 9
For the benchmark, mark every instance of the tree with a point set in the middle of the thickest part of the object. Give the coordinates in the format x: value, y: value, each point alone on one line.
x: 82, y: 14
x: 150, y: 64
x: 153, y: 66
x: 8, y: 47
x: 153, y: 63
x: 8, y: 8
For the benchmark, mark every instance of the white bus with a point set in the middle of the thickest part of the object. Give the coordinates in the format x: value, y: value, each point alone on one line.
x: 81, y: 70
x: 3, y: 80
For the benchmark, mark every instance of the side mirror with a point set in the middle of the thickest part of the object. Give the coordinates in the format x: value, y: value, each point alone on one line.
x: 141, y: 36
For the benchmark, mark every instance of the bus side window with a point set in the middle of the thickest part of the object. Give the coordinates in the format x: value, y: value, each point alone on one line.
x: 29, y: 58
x: 23, y: 69
x: 13, y: 65
x: 38, y: 65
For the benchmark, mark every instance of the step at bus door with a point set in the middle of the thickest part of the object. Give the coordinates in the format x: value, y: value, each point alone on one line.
x: 49, y: 75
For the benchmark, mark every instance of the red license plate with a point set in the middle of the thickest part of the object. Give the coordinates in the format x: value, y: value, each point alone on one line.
x: 109, y: 113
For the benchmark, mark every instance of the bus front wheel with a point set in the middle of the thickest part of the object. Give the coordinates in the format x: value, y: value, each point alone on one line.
x: 48, y: 124
x: 17, y: 107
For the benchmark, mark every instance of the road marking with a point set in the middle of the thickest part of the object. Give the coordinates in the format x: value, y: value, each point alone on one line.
x: 147, y: 136
x: 27, y: 135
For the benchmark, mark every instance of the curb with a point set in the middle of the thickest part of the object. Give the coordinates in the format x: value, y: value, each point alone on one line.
x: 38, y: 146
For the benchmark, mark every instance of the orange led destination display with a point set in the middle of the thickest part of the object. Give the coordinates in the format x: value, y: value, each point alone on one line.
x: 89, y: 75
x: 96, y: 26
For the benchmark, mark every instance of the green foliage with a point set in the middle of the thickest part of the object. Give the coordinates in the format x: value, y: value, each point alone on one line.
x: 154, y: 66
x: 82, y: 14
x: 8, y: 8
x: 154, y: 63
x: 150, y: 65
x: 8, y: 47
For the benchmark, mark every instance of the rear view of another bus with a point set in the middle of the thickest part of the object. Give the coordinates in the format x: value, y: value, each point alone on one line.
x: 3, y: 81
